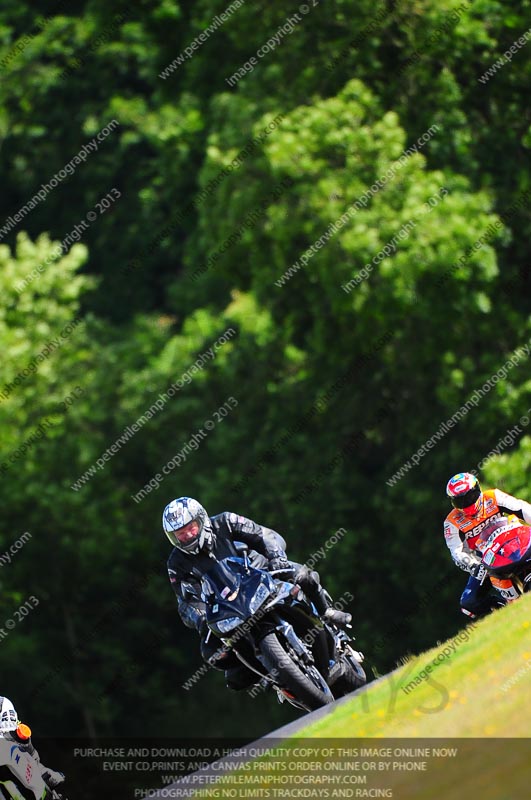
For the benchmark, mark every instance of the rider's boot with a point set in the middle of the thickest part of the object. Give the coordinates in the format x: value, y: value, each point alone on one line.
x: 341, y: 618
x: 309, y: 582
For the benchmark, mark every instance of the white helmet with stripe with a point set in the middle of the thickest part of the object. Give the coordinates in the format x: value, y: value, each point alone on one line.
x: 8, y: 716
x: 177, y: 519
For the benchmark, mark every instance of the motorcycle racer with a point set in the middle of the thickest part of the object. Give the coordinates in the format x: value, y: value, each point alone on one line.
x: 472, y: 510
x: 19, y: 758
x: 198, y: 538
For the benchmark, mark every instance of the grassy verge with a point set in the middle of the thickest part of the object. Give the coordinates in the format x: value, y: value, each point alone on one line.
x: 475, y: 687
x: 450, y: 723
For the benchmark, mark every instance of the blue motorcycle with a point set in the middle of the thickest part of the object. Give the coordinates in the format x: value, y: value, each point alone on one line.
x: 276, y: 632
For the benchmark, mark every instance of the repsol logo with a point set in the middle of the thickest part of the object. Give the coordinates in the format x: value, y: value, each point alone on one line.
x: 478, y: 528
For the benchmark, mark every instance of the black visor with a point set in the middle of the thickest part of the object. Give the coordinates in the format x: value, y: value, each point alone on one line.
x: 468, y: 499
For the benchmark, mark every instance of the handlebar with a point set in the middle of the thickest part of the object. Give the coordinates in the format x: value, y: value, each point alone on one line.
x: 287, y: 571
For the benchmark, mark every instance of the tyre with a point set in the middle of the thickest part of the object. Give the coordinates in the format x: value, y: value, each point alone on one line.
x: 351, y: 678
x: 306, y: 683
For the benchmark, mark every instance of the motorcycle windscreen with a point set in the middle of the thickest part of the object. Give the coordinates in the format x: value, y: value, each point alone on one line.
x: 228, y: 577
x: 225, y: 576
x: 509, y: 548
x: 235, y: 594
x: 494, y: 528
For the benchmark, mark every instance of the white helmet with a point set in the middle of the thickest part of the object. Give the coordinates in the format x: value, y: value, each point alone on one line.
x: 8, y: 716
x: 180, y: 513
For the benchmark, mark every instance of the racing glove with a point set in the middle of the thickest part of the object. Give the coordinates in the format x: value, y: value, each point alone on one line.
x: 52, y: 778
x: 279, y: 562
x: 479, y: 572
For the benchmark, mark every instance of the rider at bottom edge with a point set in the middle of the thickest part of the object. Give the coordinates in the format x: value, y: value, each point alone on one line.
x: 198, y: 538
x: 15, y: 740
x: 472, y: 508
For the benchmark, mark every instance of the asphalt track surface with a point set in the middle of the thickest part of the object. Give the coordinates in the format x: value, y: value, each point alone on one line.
x: 210, y: 774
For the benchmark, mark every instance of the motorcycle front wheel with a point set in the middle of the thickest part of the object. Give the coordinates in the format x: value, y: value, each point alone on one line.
x: 304, y: 681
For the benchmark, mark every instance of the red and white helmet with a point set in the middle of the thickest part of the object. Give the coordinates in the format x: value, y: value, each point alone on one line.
x: 465, y: 493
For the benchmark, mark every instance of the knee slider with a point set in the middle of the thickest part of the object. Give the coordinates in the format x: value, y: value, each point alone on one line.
x: 308, y: 577
x: 238, y: 678
x: 304, y: 577
x: 214, y: 653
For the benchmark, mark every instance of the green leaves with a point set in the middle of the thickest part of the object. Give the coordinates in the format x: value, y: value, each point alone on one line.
x: 355, y: 209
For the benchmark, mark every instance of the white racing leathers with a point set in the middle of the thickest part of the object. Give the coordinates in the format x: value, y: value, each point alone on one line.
x: 20, y: 774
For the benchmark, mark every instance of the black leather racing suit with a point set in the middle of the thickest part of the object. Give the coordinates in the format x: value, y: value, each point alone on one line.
x: 185, y: 570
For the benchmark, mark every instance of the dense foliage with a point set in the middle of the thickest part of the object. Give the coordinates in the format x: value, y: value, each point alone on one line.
x: 180, y: 222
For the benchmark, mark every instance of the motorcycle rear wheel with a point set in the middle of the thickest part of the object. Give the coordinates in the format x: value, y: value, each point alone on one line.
x: 353, y: 678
